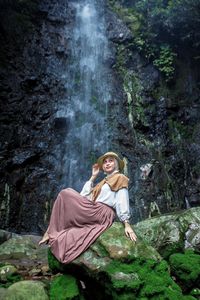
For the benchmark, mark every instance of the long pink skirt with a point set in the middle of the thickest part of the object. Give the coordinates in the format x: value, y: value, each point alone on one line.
x: 75, y: 224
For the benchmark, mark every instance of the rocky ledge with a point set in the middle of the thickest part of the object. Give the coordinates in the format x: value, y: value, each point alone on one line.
x: 163, y: 264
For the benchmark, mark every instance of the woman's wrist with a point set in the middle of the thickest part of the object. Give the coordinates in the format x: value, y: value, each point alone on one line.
x: 126, y: 223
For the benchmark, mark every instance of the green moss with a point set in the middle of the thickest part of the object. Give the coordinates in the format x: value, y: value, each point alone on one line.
x: 195, y: 292
x: 186, y: 268
x: 10, y: 280
x: 178, y: 131
x: 54, y: 264
x: 145, y: 278
x: 169, y: 249
x: 64, y: 287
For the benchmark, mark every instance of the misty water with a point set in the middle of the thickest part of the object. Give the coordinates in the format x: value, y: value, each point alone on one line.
x: 88, y: 92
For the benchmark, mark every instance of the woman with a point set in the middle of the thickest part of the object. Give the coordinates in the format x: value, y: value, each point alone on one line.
x: 78, y: 219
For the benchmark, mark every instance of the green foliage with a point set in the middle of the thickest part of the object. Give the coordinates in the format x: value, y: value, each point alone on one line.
x: 165, y: 62
x: 161, y: 27
x: 178, y: 131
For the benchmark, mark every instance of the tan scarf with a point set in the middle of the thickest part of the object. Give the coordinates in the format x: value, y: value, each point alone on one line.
x: 116, y: 182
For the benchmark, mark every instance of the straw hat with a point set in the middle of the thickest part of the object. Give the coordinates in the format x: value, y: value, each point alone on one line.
x: 112, y: 154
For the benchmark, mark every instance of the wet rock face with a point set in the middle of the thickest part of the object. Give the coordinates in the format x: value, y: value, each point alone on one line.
x: 163, y: 125
x: 33, y: 53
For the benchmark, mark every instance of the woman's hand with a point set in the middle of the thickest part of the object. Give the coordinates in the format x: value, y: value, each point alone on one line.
x: 129, y: 232
x: 95, y: 171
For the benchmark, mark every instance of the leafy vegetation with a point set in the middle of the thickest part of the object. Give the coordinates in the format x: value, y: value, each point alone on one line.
x: 160, y: 28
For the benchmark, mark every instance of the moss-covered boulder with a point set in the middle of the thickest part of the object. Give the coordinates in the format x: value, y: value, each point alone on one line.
x: 6, y: 272
x: 64, y: 287
x: 111, y: 245
x: 17, y: 248
x: 142, y: 279
x: 8, y: 275
x: 22, y: 247
x: 116, y: 268
x: 27, y: 289
x: 186, y: 268
x: 173, y: 232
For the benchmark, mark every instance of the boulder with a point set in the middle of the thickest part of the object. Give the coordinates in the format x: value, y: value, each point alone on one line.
x: 4, y: 236
x: 173, y: 232
x: 116, y: 268
x: 111, y: 245
x: 186, y: 268
x: 64, y: 287
x: 7, y: 272
x: 22, y: 247
x: 27, y: 289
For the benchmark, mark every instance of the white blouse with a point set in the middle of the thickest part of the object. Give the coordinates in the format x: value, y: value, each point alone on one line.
x: 118, y: 200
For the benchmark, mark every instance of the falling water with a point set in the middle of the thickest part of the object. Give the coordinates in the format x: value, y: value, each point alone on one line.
x: 87, y: 84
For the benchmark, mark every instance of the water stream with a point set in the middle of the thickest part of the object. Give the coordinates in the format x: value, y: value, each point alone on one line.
x: 88, y: 92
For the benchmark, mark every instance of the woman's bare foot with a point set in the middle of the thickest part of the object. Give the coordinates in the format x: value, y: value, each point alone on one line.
x: 45, y: 239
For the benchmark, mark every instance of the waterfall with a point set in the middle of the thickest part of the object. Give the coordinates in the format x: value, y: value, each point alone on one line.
x: 88, y: 92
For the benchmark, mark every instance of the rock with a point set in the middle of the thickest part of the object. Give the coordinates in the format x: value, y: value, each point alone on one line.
x: 186, y: 268
x: 17, y: 248
x: 23, y: 249
x: 6, y: 272
x: 134, y: 278
x: 192, y: 240
x: 111, y: 245
x: 195, y: 292
x: 64, y: 287
x: 2, y: 293
x: 117, y: 30
x: 23, y: 157
x: 169, y: 233
x: 27, y: 289
x: 4, y: 236
x: 117, y: 268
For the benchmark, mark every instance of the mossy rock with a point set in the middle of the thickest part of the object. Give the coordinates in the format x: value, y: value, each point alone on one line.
x: 111, y: 245
x: 17, y: 248
x: 169, y: 233
x: 64, y: 287
x: 186, y: 268
x: 142, y: 279
x: 27, y: 289
x: 134, y: 278
x: 195, y: 292
x: 8, y: 276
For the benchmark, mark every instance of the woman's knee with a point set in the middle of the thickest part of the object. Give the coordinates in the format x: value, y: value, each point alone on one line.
x: 66, y: 191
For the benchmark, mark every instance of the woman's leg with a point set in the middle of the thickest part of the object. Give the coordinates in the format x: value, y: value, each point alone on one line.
x: 58, y: 213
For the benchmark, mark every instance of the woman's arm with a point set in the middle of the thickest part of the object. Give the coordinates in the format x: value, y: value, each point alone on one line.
x: 129, y: 231
x: 87, y: 188
x: 123, y: 212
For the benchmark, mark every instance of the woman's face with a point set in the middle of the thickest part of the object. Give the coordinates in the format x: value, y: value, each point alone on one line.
x: 109, y: 165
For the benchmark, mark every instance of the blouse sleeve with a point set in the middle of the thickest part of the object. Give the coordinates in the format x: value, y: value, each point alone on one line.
x: 122, y: 204
x: 87, y: 188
